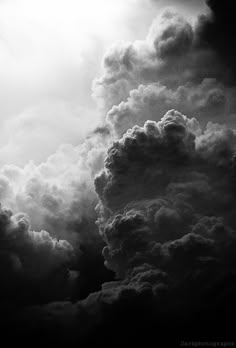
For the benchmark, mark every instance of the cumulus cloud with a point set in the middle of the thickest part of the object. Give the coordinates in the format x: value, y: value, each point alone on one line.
x: 182, y: 60
x: 127, y: 65
x: 171, y: 240
x: 166, y: 197
x: 206, y: 101
x: 171, y: 36
x: 59, y: 197
x: 57, y: 192
x: 166, y: 214
x: 34, y: 265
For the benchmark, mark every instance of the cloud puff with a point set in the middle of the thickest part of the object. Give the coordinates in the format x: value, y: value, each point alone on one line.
x: 171, y: 35
x: 57, y: 194
x: 33, y: 264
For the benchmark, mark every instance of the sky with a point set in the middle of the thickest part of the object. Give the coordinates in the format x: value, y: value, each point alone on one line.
x: 50, y: 53
x: 117, y: 171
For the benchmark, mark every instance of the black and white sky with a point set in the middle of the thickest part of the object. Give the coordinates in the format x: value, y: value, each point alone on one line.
x: 117, y: 172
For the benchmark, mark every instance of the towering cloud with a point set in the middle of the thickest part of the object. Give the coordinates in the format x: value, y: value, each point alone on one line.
x: 167, y: 187
x: 181, y: 65
x: 166, y: 213
x: 164, y: 196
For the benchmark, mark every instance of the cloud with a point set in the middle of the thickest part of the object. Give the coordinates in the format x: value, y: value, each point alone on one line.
x: 58, y: 196
x: 166, y: 214
x: 172, y: 243
x: 206, y: 101
x: 58, y: 192
x: 33, y: 264
x: 141, y: 148
x: 48, y: 61
x: 156, y: 59
x: 166, y: 196
x: 179, y: 57
x: 171, y: 35
x: 41, y: 129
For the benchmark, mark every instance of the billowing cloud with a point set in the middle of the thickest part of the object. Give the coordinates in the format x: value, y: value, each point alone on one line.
x: 176, y: 59
x: 206, y: 101
x: 34, y: 265
x: 171, y: 36
x: 156, y: 59
x: 59, y: 197
x: 166, y: 196
x: 57, y: 194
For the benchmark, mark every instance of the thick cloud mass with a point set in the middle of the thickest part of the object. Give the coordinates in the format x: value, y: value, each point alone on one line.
x: 164, y: 196
x: 167, y: 194
x: 166, y: 213
x: 32, y: 259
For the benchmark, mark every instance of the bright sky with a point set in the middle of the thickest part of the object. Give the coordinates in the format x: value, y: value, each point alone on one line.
x: 50, y: 51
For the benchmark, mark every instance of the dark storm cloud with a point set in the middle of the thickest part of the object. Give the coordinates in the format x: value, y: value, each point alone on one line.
x: 159, y: 184
x: 169, y: 56
x: 34, y: 266
x: 167, y: 217
x: 166, y: 208
x: 166, y: 214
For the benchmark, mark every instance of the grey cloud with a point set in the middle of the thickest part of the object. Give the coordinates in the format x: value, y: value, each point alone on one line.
x: 207, y: 101
x: 59, y: 197
x: 172, y: 36
x: 167, y: 195
x: 32, y: 259
x: 182, y: 59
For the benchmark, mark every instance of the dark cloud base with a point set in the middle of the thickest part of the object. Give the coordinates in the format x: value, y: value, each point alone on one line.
x: 135, y: 320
